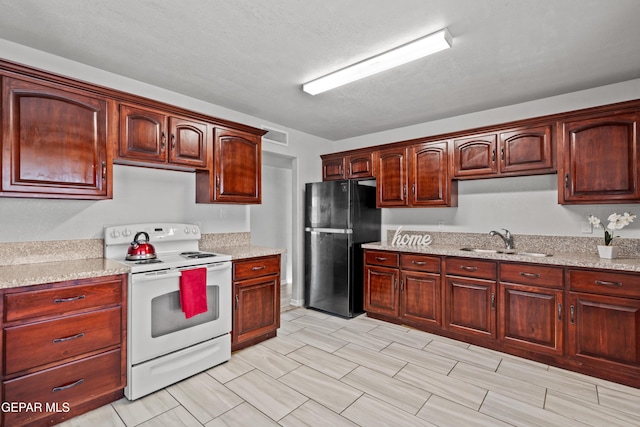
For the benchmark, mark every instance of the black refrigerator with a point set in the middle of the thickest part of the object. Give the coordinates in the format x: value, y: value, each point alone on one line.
x: 339, y: 217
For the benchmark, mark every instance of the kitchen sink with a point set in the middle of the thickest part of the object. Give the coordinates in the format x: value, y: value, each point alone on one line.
x: 506, y: 252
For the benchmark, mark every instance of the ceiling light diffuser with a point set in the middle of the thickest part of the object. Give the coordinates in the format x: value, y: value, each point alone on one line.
x: 392, y: 58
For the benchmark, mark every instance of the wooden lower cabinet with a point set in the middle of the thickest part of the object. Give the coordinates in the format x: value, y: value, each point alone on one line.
x: 420, y: 297
x: 256, y: 300
x: 381, y: 290
x: 470, y: 306
x: 64, y: 348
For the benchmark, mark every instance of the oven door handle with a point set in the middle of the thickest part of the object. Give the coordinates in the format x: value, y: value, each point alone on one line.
x: 156, y: 275
x: 209, y: 267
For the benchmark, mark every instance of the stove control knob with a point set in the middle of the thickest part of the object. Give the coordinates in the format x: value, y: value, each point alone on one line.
x: 186, y: 230
x: 195, y: 230
x: 115, y: 233
x: 126, y: 232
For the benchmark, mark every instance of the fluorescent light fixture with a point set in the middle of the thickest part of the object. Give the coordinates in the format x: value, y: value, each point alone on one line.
x: 392, y: 58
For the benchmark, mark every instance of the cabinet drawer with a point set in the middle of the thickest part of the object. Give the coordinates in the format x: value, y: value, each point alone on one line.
x: 387, y: 259
x: 39, y: 343
x: 531, y: 275
x: 471, y: 268
x: 72, y: 383
x: 420, y: 263
x: 256, y: 267
x: 25, y: 305
x: 605, y: 282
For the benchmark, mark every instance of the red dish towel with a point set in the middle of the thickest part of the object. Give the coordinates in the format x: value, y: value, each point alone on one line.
x: 193, y: 292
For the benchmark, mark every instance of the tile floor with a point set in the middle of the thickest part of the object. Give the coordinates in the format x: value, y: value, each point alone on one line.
x: 326, y: 371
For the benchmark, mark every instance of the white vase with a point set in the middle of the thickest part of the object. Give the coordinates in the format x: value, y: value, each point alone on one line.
x: 608, y: 252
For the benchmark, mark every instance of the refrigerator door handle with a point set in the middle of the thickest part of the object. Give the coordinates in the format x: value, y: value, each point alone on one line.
x: 329, y: 230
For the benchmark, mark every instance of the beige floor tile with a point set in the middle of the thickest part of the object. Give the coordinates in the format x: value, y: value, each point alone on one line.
x: 596, y: 381
x: 444, y: 386
x: 313, y: 414
x: 460, y: 354
x: 320, y: 360
x: 104, y: 416
x: 318, y: 339
x: 550, y: 380
x: 315, y: 313
x: 434, y: 337
x: 445, y: 413
x: 321, y: 325
x: 375, y: 322
x: 514, y: 359
x: 492, y: 381
x: 291, y: 314
x: 620, y: 400
x: 422, y: 358
x: 204, y: 397
x: 288, y: 328
x: 323, y: 389
x: 364, y: 340
x: 176, y: 417
x: 354, y: 323
x: 229, y: 370
x: 586, y: 412
x: 411, y: 340
x: 268, y: 361
x: 374, y: 360
x: 242, y: 416
x: 395, y: 392
x: 145, y: 408
x: 519, y: 413
x: 266, y: 394
x: 371, y: 412
x: 283, y: 344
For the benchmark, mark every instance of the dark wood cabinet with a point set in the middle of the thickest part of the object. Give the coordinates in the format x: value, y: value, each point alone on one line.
x: 392, y: 178
x: 519, y: 151
x: 333, y: 169
x: 381, y: 290
x: 63, y: 342
x: 429, y: 176
x: 600, y: 160
x: 236, y: 176
x: 152, y: 136
x: 353, y: 166
x: 55, y: 141
x: 256, y: 300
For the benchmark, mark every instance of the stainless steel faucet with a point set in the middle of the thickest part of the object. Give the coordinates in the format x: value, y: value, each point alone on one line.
x: 507, y: 237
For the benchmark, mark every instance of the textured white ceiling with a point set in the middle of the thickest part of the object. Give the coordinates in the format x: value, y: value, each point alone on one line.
x: 253, y: 55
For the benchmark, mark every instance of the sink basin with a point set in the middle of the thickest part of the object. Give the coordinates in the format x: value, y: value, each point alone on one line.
x: 505, y: 252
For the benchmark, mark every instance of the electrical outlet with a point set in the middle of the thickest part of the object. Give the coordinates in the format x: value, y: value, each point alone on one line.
x: 222, y: 212
x: 441, y: 225
x: 587, y: 228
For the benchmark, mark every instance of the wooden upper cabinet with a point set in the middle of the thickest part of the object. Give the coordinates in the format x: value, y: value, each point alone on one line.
x: 600, y: 160
x: 355, y: 166
x: 236, y: 176
x: 392, y: 178
x: 333, y: 168
x: 54, y: 141
x: 429, y: 176
x: 520, y: 151
x: 148, y: 135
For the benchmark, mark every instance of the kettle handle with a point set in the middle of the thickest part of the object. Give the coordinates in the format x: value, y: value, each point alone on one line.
x: 135, y: 242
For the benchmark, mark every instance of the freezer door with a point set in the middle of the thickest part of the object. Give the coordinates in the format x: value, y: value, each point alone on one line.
x: 328, y: 285
x: 327, y: 205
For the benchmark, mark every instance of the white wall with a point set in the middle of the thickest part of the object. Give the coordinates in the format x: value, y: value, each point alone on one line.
x: 524, y: 205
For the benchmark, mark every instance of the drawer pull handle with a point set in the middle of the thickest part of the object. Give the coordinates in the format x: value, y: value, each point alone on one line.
x: 530, y: 275
x: 605, y: 283
x: 559, y: 311
x: 67, y: 386
x: 419, y: 262
x: 572, y: 314
x: 73, y: 337
x: 493, y: 301
x: 380, y: 258
x: 469, y: 267
x: 237, y: 300
x: 76, y: 298
x: 262, y: 267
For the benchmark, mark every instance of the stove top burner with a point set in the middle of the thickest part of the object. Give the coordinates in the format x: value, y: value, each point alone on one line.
x: 197, y: 255
x: 148, y: 261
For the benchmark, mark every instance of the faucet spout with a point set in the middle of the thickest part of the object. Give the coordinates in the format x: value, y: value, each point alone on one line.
x: 506, y: 237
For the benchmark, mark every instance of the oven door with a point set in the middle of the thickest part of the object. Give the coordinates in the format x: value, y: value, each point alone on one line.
x: 157, y: 324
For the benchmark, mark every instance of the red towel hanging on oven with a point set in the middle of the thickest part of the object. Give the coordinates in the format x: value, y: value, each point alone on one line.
x: 193, y: 291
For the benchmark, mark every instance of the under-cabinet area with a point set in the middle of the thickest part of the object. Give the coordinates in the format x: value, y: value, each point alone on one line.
x: 582, y: 319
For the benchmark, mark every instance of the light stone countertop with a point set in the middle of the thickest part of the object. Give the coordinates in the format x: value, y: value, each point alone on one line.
x: 12, y: 276
x: 244, y: 251
x: 564, y: 259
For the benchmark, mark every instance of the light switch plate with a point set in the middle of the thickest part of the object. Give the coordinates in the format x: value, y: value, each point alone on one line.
x: 441, y: 225
x: 587, y: 228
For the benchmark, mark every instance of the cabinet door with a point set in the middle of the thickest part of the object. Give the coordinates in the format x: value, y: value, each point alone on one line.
x: 238, y: 166
x: 420, y: 298
x: 524, y: 150
x: 381, y: 290
x: 604, y: 330
x: 392, y: 178
x: 470, y: 306
x: 531, y: 317
x: 333, y: 169
x: 54, y: 142
x: 430, y: 183
x: 188, y: 142
x: 360, y: 166
x: 475, y: 156
x: 600, y: 160
x: 143, y: 134
x: 256, y: 308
